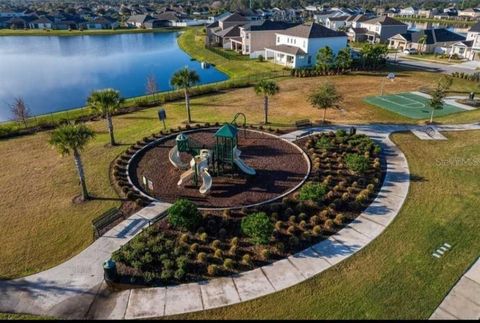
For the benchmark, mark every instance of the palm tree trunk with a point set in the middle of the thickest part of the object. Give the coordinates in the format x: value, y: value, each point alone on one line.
x: 81, y: 174
x: 324, y: 114
x: 265, y: 108
x: 431, y: 116
x: 187, y: 105
x: 110, y: 129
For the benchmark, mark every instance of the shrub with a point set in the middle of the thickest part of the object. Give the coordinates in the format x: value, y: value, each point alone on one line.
x: 216, y: 244
x: 312, y: 191
x: 247, y: 260
x: 228, y: 263
x: 293, y: 242
x: 329, y: 225
x: 167, y: 274
x: 234, y: 241
x: 317, y: 230
x: 233, y: 250
x: 339, y: 219
x: 340, y: 133
x: 183, y: 214
x: 212, y: 270
x: 261, y: 58
x: 179, y: 274
x: 218, y: 253
x: 202, y: 257
x: 323, y: 143
x: 314, y: 220
x: 203, y: 236
x: 356, y: 163
x: 184, y: 238
x: 194, y: 247
x: 181, y: 262
x: 258, y: 227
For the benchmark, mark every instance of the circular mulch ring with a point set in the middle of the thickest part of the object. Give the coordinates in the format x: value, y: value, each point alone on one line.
x: 281, y: 166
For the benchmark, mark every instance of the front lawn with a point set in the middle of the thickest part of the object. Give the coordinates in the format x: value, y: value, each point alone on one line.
x: 396, y: 276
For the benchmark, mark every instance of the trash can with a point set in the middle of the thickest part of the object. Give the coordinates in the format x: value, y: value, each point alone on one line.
x: 110, y: 270
x: 353, y: 131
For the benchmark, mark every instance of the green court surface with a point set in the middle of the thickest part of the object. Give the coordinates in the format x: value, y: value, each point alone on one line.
x: 410, y: 105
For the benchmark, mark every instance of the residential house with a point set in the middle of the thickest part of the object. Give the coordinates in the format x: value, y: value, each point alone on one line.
x: 355, y: 20
x: 220, y: 32
x: 380, y: 29
x: 41, y: 23
x: 298, y: 46
x: 337, y: 23
x: 409, y: 11
x: 437, y: 40
x: 470, y: 48
x: 138, y: 21
x: 254, y: 38
x: 103, y: 22
x: 471, y: 13
x: 427, y: 13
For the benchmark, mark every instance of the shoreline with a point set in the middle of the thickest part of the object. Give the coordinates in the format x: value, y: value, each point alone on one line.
x: 87, y: 32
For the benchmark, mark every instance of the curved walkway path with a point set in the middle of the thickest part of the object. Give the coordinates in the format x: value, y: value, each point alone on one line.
x: 75, y: 289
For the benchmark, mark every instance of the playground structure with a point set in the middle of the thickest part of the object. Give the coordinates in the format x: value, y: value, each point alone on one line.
x: 221, y: 158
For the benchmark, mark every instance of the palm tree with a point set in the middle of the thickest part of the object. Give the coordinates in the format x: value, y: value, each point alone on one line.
x: 326, y: 96
x: 422, y: 41
x: 72, y: 138
x: 266, y: 88
x: 185, y: 79
x: 105, y: 102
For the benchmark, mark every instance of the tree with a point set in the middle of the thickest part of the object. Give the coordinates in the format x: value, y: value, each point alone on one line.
x: 105, y: 102
x: 324, y: 97
x: 422, y: 41
x: 258, y: 227
x: 20, y: 111
x: 183, y: 214
x: 266, y: 88
x: 71, y: 139
x: 439, y: 93
x: 373, y: 55
x: 151, y: 86
x: 325, y: 59
x: 185, y: 79
x: 344, y: 59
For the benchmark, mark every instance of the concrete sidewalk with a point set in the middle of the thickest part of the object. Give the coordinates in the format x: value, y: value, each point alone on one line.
x: 463, y: 301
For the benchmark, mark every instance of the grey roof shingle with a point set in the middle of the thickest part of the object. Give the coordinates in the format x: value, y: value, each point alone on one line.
x: 287, y: 49
x: 312, y: 31
x: 385, y: 21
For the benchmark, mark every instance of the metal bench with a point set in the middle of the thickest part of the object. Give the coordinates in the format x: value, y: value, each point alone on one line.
x: 303, y: 123
x: 104, y: 220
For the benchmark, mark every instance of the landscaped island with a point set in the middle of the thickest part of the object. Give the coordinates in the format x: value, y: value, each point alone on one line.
x: 192, y: 244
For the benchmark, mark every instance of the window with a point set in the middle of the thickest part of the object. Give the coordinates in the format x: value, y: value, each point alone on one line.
x: 309, y: 60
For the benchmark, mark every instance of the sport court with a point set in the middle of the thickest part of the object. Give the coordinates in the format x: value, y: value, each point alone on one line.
x: 410, y: 105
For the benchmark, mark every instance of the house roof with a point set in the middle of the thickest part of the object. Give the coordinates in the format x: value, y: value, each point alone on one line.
x: 438, y: 34
x: 287, y: 49
x: 139, y: 18
x: 271, y: 25
x: 338, y: 18
x: 384, y: 21
x: 357, y: 18
x: 312, y: 31
x: 167, y: 15
x: 41, y: 20
x: 233, y: 31
x: 213, y: 24
x: 465, y: 43
x: 358, y: 30
x: 234, y: 17
x: 475, y: 28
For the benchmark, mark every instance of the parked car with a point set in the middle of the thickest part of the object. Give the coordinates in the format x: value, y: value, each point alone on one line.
x: 410, y: 51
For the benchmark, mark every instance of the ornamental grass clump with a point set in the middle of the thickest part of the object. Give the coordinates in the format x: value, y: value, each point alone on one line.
x: 312, y: 191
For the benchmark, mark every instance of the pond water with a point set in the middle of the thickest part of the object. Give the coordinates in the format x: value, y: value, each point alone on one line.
x: 58, y: 73
x: 461, y: 29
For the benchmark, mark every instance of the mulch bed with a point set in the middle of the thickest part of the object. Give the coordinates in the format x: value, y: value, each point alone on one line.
x: 279, y: 166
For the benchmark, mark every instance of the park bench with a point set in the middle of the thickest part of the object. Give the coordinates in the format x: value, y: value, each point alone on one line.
x: 303, y: 123
x: 103, y: 221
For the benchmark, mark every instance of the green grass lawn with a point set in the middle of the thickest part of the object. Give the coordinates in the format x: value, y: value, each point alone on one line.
x: 395, y: 277
x: 45, y: 228
x: 22, y: 317
x: 39, y: 32
x: 410, y: 105
x: 432, y: 58
x: 192, y: 41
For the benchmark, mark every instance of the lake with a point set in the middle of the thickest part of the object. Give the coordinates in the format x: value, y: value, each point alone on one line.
x: 57, y: 73
x: 460, y: 29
